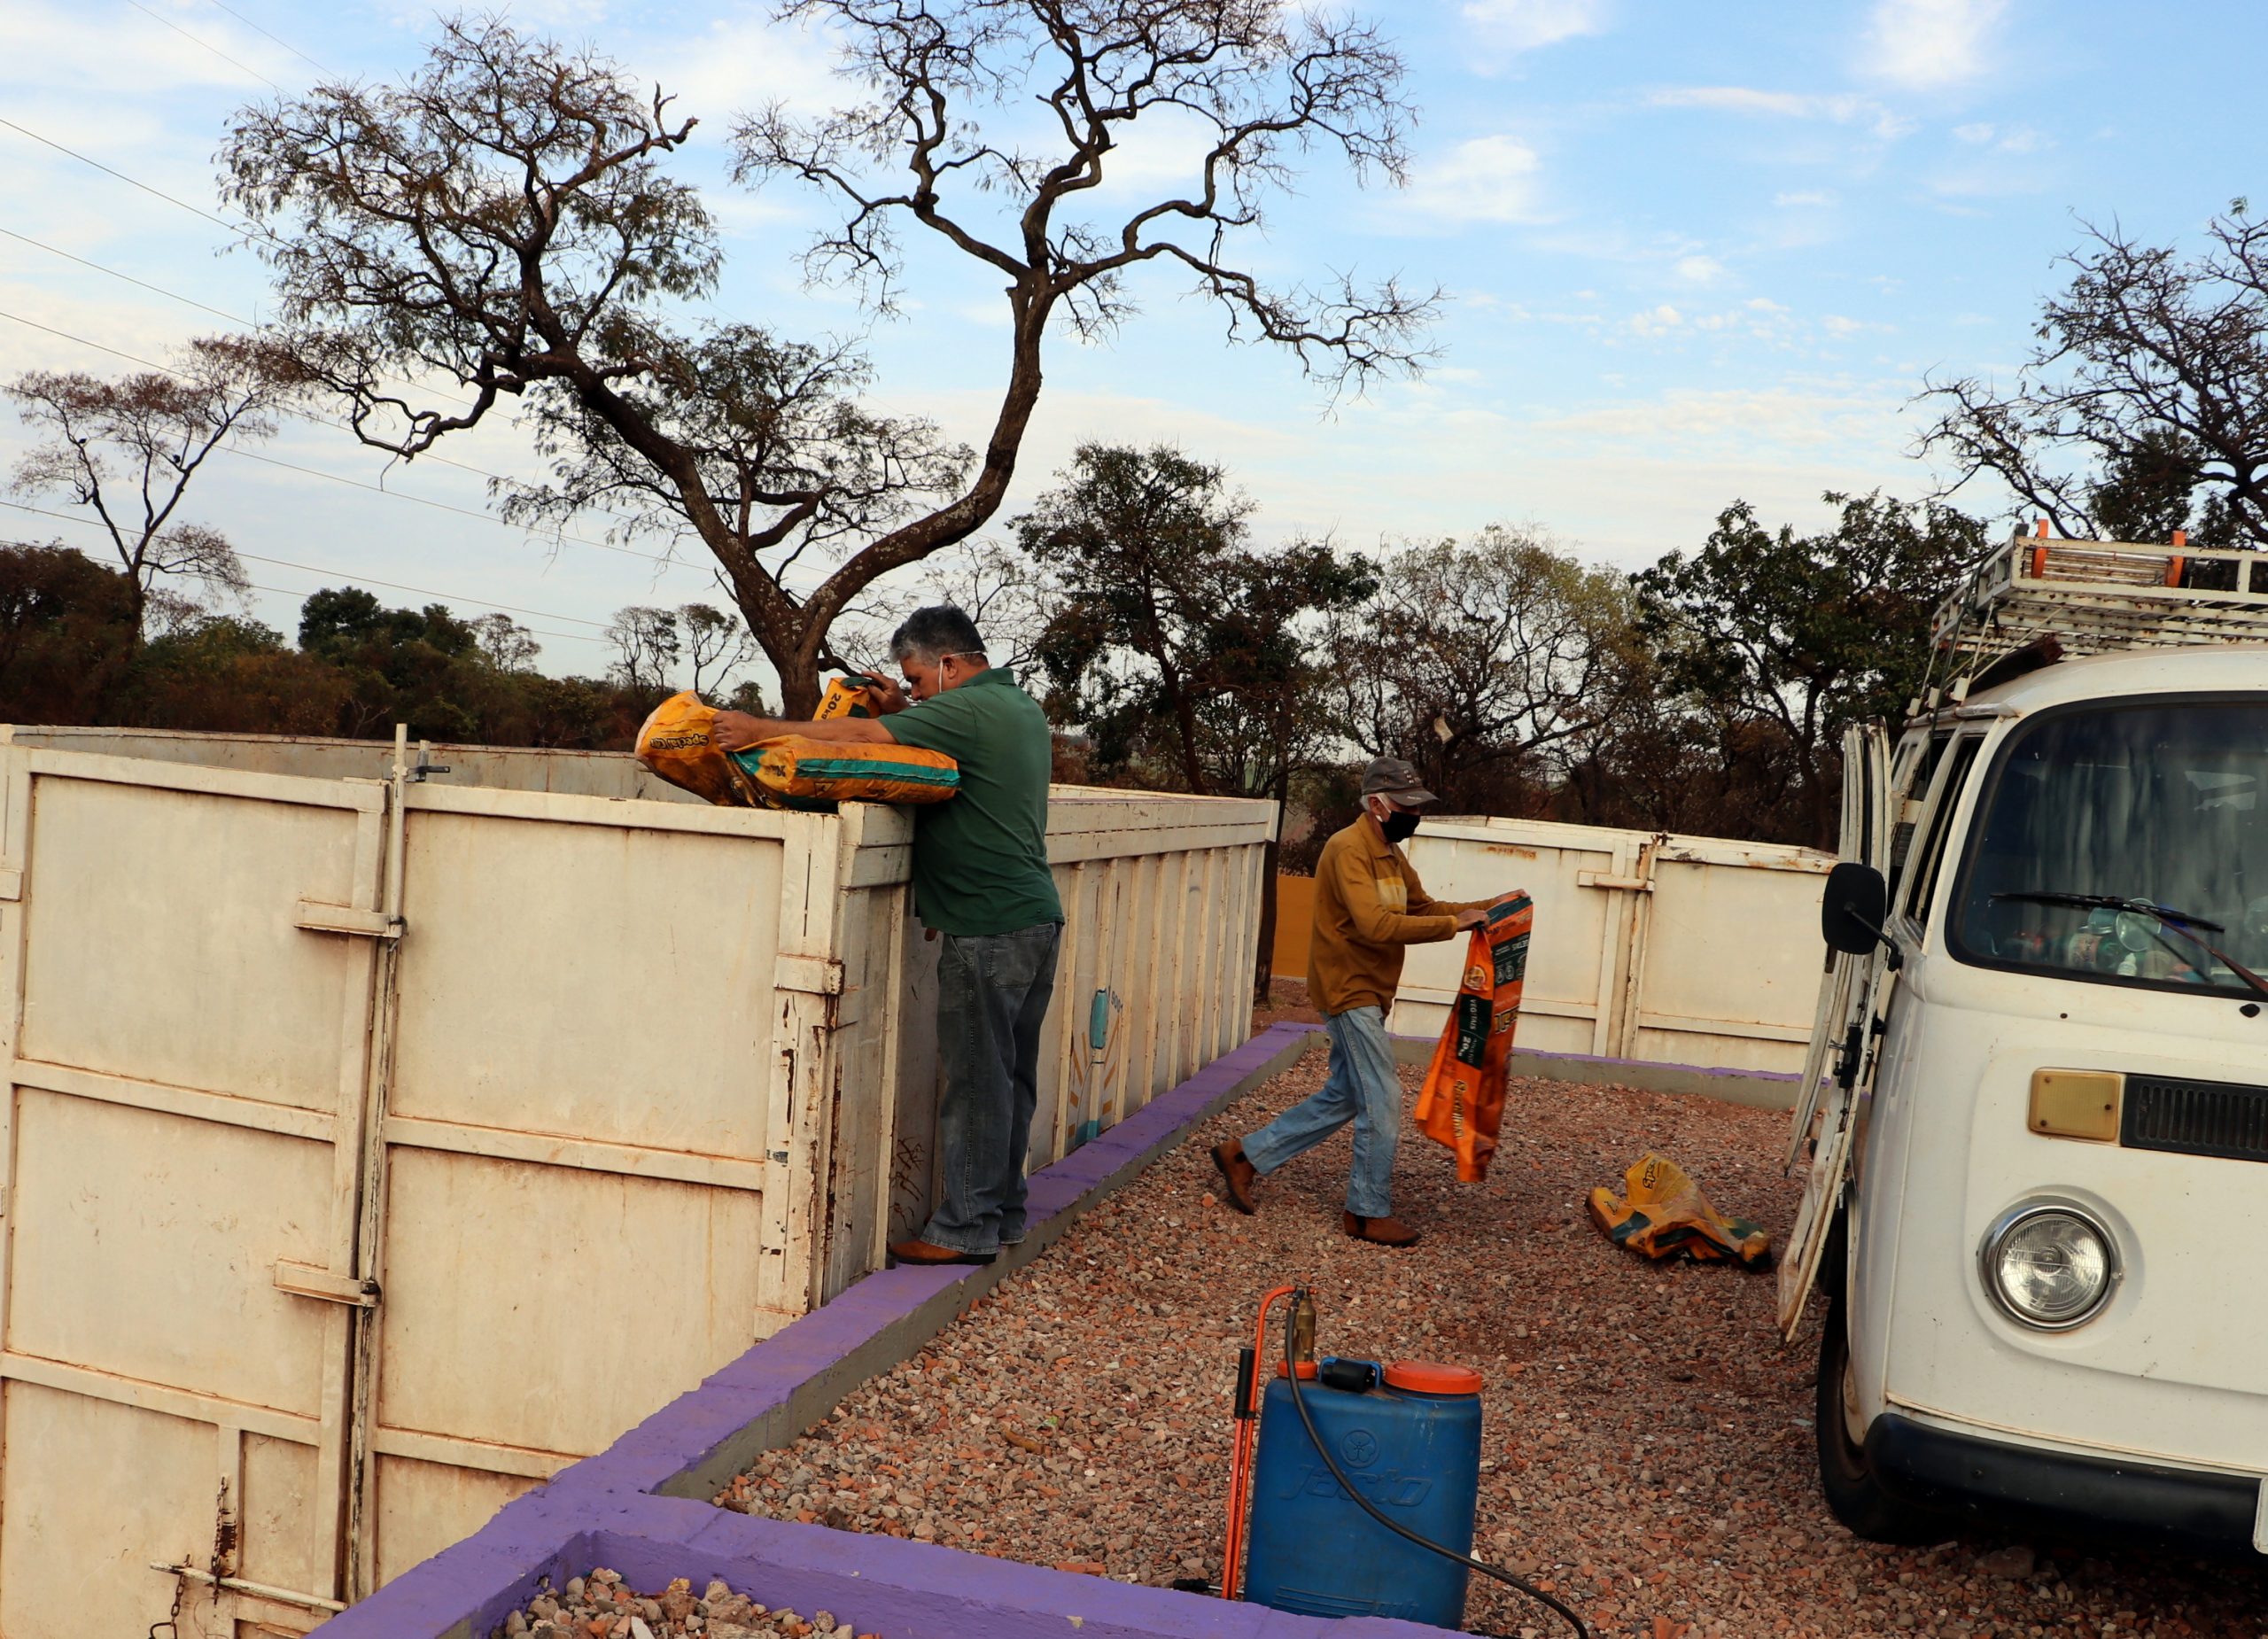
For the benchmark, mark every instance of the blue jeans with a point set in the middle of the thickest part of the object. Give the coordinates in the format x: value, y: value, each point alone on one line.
x: 992, y: 996
x: 1364, y: 1087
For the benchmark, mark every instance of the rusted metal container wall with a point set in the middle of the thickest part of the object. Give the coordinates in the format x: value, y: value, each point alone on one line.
x: 325, y: 1233
x: 1676, y: 950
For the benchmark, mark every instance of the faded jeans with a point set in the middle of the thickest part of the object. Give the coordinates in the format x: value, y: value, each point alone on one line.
x: 992, y: 996
x: 1364, y: 1087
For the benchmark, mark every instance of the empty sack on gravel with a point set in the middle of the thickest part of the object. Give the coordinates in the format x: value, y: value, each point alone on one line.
x: 1667, y: 1215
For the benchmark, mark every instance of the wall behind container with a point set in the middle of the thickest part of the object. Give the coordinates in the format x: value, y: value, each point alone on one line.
x: 1679, y: 949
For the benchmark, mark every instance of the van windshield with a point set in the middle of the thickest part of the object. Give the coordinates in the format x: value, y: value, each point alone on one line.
x: 2161, y: 803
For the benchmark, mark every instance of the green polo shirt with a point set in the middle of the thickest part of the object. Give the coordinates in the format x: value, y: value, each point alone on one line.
x: 980, y: 861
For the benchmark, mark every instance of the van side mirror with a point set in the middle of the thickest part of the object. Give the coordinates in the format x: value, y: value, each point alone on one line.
x: 1852, y: 909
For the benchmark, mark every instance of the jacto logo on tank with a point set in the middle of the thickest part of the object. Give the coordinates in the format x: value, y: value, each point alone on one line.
x: 1390, y: 1489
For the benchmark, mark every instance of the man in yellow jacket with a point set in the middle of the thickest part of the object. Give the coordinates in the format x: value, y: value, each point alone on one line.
x: 1369, y: 904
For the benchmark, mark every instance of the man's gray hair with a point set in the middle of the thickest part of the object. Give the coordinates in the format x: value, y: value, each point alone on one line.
x: 929, y: 634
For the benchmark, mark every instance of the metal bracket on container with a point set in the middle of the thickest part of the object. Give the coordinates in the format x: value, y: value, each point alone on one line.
x: 319, y: 917
x: 812, y: 975
x: 1602, y: 879
x: 306, y: 1280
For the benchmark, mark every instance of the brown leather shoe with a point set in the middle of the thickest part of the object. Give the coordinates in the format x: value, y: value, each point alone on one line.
x: 1238, y: 1175
x: 925, y: 1251
x: 1379, y: 1232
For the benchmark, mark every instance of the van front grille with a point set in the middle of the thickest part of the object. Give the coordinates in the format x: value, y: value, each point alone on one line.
x: 2195, y: 1118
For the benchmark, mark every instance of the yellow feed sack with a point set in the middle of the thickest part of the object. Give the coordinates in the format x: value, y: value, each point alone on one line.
x: 1666, y: 1214
x: 791, y: 771
x: 673, y: 743
x: 796, y: 772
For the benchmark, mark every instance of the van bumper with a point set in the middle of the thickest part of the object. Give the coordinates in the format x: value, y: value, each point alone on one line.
x: 1990, y: 1483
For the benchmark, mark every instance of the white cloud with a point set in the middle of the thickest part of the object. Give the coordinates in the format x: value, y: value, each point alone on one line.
x: 1924, y: 45
x: 1803, y: 198
x: 2014, y: 139
x: 1841, y: 107
x: 1489, y: 179
x: 1526, y: 25
x: 1657, y: 320
x: 1700, y: 269
x: 121, y: 55
x: 737, y: 64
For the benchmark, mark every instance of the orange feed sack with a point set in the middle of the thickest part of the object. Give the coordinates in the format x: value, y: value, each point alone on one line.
x: 791, y: 771
x: 673, y: 743
x: 1463, y: 1101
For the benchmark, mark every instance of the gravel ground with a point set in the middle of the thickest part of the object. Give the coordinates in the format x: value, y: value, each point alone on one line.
x: 1647, y: 1449
x: 599, y: 1606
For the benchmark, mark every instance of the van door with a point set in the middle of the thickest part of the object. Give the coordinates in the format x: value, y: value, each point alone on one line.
x: 1825, y: 1104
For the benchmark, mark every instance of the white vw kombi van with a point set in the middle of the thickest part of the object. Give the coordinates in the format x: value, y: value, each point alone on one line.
x: 2037, y: 1119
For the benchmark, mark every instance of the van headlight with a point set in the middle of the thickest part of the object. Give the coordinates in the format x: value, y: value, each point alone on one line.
x: 2049, y: 1265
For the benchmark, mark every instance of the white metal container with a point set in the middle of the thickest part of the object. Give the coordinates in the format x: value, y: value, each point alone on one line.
x: 1677, y: 949
x: 376, y: 1147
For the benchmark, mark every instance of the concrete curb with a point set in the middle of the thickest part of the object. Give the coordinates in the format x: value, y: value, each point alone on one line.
x: 1768, y: 1090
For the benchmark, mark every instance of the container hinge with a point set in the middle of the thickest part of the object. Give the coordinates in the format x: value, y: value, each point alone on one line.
x: 306, y: 1280
x: 317, y: 917
x: 812, y: 975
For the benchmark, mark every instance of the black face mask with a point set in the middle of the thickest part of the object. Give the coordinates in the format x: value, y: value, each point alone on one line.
x: 1399, y: 827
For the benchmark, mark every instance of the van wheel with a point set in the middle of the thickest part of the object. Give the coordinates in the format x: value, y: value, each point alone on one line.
x: 1853, y: 1494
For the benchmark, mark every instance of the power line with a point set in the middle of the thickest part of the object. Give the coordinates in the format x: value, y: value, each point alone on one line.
x: 308, y: 415
x: 246, y: 227
x: 335, y: 477
x: 57, y: 250
x: 356, y: 576
x: 286, y: 44
x: 159, y: 193
x: 207, y: 44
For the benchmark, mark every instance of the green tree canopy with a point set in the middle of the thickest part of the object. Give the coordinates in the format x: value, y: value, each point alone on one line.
x: 1807, y: 633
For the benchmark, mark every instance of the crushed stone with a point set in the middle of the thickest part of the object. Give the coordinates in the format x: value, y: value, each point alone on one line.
x: 1648, y: 1447
x: 600, y: 1605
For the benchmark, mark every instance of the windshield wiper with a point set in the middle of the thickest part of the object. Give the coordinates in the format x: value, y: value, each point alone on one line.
x: 2165, y: 916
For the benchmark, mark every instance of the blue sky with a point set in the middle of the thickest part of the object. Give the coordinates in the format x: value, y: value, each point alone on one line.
x: 1693, y: 253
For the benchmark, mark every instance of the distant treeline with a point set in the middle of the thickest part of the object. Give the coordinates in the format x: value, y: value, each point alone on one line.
x: 70, y: 652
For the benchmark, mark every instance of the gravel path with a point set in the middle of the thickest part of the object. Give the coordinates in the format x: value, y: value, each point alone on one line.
x: 1647, y: 1447
x: 601, y: 1606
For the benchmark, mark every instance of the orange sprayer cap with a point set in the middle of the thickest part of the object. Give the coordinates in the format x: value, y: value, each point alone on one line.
x: 1424, y: 1377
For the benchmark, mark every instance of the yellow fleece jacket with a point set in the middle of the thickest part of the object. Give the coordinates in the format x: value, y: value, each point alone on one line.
x: 1368, y: 904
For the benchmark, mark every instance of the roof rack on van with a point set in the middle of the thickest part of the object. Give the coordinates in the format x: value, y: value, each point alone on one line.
x: 2095, y: 597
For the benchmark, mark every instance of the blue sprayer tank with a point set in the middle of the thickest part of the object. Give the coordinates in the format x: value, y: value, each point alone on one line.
x: 1412, y: 1444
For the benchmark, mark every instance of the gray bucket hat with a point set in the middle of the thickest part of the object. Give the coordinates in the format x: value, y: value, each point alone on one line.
x: 1392, y: 778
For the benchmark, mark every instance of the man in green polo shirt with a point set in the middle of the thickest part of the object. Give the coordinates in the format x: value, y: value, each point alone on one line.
x: 981, y: 880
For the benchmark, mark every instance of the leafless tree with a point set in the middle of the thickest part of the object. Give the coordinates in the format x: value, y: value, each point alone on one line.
x: 713, y: 639
x: 1484, y: 660
x: 946, y: 82
x: 2148, y: 383
x: 645, y: 647
x: 510, y: 646
x: 503, y: 222
x: 126, y: 450
x: 1009, y: 596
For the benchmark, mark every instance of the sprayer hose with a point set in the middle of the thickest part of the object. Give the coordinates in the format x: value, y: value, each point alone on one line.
x: 1299, y: 1404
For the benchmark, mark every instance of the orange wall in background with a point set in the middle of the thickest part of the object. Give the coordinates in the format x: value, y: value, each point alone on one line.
x: 1294, y: 918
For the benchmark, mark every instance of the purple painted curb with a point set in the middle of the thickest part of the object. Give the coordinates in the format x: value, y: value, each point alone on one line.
x: 605, y: 1510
